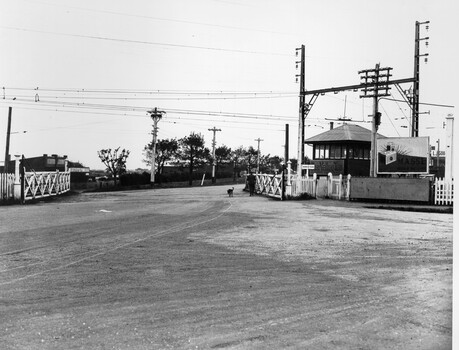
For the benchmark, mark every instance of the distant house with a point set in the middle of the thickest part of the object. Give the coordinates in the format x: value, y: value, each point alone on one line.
x: 42, y: 163
x: 342, y: 150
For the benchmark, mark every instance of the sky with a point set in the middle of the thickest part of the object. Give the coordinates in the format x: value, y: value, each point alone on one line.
x: 81, y: 75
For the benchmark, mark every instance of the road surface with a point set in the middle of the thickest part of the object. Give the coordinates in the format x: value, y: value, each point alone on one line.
x: 194, y: 269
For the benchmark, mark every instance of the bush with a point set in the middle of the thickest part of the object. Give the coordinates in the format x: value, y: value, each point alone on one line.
x: 78, y: 177
x: 134, y: 179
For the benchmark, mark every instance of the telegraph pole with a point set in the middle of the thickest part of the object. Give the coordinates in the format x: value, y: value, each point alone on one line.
x: 7, y: 148
x: 286, y: 150
x: 7, y: 152
x: 258, y: 154
x: 214, y: 143
x: 375, y: 85
x: 156, y: 115
x: 301, y: 109
x: 415, y: 97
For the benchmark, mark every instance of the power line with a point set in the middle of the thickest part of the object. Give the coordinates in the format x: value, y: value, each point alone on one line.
x: 144, y: 108
x: 161, y: 18
x: 150, y: 98
x: 150, y: 91
x: 171, y: 118
x: 143, y: 42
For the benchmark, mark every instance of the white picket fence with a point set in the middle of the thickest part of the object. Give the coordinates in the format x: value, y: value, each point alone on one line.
x: 339, y: 187
x: 443, y: 192
x: 303, y: 185
x: 334, y: 187
x: 6, y: 186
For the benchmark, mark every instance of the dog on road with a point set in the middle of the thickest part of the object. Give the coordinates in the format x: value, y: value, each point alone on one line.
x: 230, y: 192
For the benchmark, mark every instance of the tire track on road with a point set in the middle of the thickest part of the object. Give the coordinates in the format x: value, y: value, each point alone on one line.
x: 174, y: 229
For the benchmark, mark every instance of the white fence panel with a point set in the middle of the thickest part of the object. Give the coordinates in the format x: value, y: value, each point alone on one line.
x: 304, y: 185
x: 339, y: 187
x: 443, y: 192
x: 7, y: 186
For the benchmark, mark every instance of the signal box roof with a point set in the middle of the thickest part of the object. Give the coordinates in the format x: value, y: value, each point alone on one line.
x: 344, y: 133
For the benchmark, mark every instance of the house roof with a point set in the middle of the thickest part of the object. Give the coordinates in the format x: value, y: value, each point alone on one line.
x: 346, y: 132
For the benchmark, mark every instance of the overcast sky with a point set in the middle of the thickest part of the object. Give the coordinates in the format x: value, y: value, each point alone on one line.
x: 81, y: 75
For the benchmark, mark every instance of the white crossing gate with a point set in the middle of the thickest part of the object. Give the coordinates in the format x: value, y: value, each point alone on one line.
x: 269, y: 185
x: 45, y: 184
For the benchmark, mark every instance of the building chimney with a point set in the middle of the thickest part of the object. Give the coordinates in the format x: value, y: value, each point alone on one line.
x: 331, y: 125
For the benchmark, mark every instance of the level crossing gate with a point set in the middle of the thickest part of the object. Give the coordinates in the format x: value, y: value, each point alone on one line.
x: 269, y: 185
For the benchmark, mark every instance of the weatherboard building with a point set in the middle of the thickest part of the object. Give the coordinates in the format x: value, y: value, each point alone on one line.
x: 342, y: 150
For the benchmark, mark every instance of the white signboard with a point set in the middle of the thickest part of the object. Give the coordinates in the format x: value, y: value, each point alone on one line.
x: 403, y: 155
x: 307, y: 166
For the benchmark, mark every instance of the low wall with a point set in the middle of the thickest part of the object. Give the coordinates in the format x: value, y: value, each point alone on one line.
x: 397, y: 189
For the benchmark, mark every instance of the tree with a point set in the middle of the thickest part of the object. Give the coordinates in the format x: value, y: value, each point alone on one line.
x: 270, y: 164
x: 251, y: 156
x: 192, y: 151
x: 114, y: 161
x: 165, y: 150
x: 238, y: 156
x: 222, y: 156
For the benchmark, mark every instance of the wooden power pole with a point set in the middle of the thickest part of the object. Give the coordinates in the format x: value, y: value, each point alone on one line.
x: 214, y: 162
x: 156, y: 115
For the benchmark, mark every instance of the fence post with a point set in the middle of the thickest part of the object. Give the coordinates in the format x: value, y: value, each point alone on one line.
x: 438, y: 191
x: 289, y: 173
x: 348, y: 187
x: 17, y: 178
x: 340, y: 186
x: 314, y: 185
x: 288, y: 184
x: 329, y: 184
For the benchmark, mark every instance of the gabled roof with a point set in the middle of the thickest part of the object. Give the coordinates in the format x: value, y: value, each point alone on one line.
x: 346, y: 132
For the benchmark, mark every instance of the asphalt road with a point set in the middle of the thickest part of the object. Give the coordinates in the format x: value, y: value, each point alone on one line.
x: 193, y: 269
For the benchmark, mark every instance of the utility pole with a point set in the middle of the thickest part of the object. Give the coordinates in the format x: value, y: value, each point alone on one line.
x: 302, y: 108
x: 375, y: 85
x: 415, y: 97
x: 258, y: 154
x: 7, y: 153
x: 7, y: 148
x: 156, y: 115
x: 214, y: 143
x: 286, y: 167
x: 286, y: 150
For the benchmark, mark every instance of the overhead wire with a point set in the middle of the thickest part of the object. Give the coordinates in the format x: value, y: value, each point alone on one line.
x: 145, y: 42
x: 150, y: 98
x: 160, y: 18
x: 145, y: 108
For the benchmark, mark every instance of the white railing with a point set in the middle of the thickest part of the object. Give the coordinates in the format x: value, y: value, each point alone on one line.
x: 6, y: 186
x: 443, y: 192
x: 339, y: 187
x: 45, y: 184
